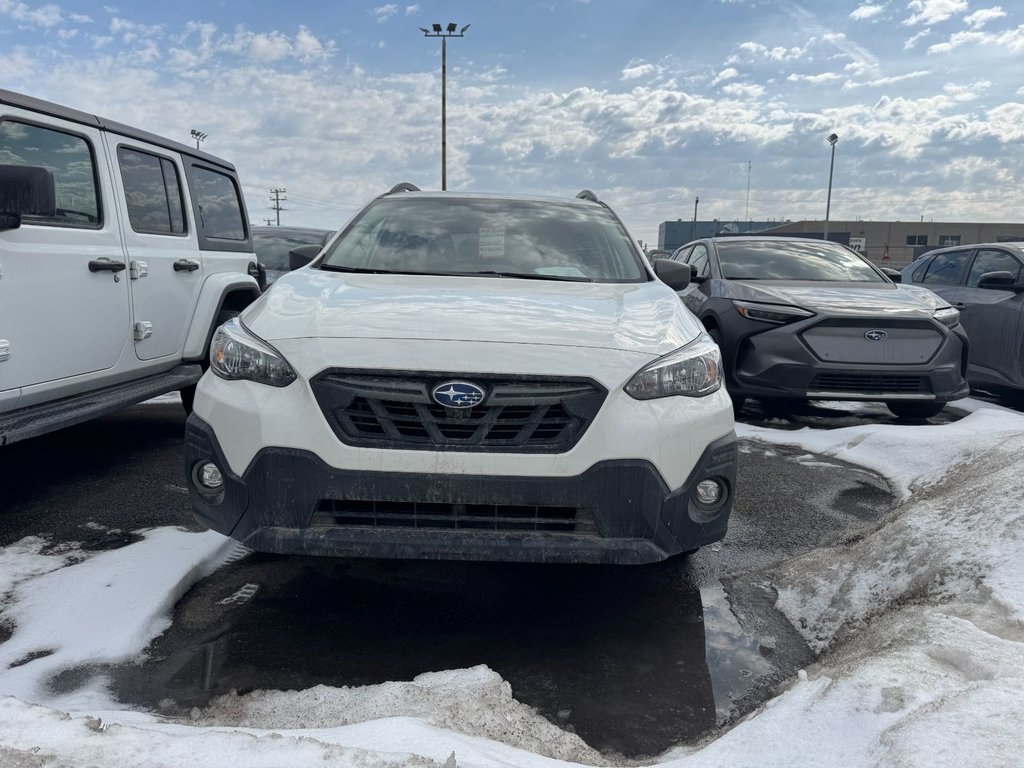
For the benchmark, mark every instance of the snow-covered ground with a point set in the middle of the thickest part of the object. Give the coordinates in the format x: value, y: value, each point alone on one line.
x: 919, y: 620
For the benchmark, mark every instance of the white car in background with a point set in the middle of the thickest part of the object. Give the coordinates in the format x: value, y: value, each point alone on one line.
x: 467, y: 376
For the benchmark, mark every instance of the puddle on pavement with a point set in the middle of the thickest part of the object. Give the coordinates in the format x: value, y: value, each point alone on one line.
x: 633, y: 660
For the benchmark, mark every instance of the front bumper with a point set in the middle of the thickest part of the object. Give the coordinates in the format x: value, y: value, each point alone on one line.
x: 621, y: 511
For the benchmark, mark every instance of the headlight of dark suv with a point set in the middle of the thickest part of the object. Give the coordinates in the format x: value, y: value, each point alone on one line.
x: 692, y: 371
x: 779, y: 314
x: 237, y: 353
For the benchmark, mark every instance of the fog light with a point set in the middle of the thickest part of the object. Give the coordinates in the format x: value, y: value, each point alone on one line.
x: 209, y: 477
x: 709, y: 492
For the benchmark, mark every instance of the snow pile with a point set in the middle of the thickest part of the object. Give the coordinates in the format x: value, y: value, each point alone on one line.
x: 928, y: 606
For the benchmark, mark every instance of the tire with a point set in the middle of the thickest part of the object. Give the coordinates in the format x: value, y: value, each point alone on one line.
x: 910, y: 410
x: 188, y: 394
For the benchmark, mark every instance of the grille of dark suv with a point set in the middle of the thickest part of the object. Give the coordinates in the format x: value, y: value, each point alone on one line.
x: 433, y: 515
x: 870, y: 383
x: 517, y: 414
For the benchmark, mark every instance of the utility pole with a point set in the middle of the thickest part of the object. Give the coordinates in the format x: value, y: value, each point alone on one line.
x: 693, y: 234
x: 746, y: 215
x: 277, y: 196
x: 444, y: 35
x: 832, y: 139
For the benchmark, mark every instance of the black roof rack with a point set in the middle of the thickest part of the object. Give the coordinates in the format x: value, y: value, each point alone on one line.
x: 586, y: 194
x: 403, y: 186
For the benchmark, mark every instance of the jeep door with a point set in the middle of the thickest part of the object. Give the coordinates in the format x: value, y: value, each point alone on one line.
x: 63, y: 277
x: 166, y: 268
x: 992, y: 317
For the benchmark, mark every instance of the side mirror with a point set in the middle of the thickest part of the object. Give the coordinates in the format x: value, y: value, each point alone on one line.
x: 694, y: 277
x: 26, y: 190
x: 9, y: 221
x: 893, y: 274
x: 302, y: 255
x: 1003, y: 281
x: 673, y: 274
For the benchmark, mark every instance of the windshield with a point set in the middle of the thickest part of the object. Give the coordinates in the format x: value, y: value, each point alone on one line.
x: 498, y: 238
x: 797, y: 260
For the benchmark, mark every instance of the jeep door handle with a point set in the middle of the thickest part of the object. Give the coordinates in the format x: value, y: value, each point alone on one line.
x: 106, y: 265
x: 186, y: 265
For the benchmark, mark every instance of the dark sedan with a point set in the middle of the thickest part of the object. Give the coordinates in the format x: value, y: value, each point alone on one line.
x: 986, y: 283
x: 272, y: 245
x: 801, y: 319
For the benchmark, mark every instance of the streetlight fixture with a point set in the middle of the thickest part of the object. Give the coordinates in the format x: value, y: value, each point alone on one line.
x: 832, y: 139
x: 437, y: 31
x: 198, y: 136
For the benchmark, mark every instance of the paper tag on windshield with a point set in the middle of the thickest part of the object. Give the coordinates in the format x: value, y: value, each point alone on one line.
x: 492, y: 241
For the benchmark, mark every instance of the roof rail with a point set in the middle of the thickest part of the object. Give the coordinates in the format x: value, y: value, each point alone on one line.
x: 586, y: 194
x: 403, y: 186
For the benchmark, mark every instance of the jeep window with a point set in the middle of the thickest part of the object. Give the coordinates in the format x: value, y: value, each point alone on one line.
x: 218, y: 204
x: 793, y: 260
x: 152, y: 191
x: 50, y: 157
x: 486, y: 237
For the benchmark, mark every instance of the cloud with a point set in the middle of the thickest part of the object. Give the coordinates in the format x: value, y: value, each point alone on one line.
x: 824, y: 77
x: 850, y: 85
x: 866, y: 11
x: 410, y: 10
x: 910, y: 42
x: 638, y: 70
x: 744, y: 91
x: 726, y: 74
x: 778, y: 53
x: 44, y: 16
x: 931, y: 12
x: 1008, y: 41
x: 981, y: 17
x: 384, y: 12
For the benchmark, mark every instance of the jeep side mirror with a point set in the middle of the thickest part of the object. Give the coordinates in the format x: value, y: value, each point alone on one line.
x: 302, y: 255
x: 26, y: 190
x: 673, y: 274
x: 1003, y: 281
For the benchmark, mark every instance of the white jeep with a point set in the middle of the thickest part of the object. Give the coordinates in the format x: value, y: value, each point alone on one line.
x: 120, y: 253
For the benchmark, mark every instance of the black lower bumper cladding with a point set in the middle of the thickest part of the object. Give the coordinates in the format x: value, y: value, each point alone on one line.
x: 289, y: 501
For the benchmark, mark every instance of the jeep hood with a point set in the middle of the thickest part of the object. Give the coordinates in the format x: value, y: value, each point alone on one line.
x: 636, y: 317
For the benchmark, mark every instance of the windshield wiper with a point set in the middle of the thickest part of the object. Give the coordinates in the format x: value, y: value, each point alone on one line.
x: 364, y: 270
x: 522, y: 275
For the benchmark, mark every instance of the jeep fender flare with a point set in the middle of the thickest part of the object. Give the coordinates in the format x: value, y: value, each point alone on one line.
x: 223, y: 291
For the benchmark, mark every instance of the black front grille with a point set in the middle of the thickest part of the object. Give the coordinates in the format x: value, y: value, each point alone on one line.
x: 509, y: 518
x: 546, y: 415
x: 870, y: 383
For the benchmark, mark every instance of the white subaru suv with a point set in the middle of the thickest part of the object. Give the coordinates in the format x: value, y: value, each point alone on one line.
x: 468, y: 376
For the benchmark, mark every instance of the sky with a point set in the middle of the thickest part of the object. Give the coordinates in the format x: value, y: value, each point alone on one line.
x: 650, y: 104
x: 917, y: 618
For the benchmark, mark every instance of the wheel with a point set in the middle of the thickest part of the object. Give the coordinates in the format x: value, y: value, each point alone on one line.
x: 188, y: 394
x: 910, y: 410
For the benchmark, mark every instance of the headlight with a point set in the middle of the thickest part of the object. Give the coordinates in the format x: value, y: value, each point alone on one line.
x: 948, y: 316
x: 694, y: 371
x: 771, y: 313
x: 235, y: 353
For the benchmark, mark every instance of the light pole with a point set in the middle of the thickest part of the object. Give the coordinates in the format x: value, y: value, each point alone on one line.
x: 746, y: 213
x: 444, y: 34
x: 198, y: 136
x: 832, y: 139
x: 693, y: 233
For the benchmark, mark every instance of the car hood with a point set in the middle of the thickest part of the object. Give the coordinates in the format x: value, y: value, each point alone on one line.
x: 310, y: 303
x: 841, y: 298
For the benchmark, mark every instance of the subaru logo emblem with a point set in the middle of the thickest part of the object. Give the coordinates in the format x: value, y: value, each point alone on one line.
x: 876, y: 335
x: 457, y: 394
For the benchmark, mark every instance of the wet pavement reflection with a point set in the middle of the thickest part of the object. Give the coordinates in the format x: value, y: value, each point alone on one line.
x: 618, y: 655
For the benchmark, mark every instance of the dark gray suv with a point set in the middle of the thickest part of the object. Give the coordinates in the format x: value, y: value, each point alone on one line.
x: 985, y: 282
x: 801, y: 319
